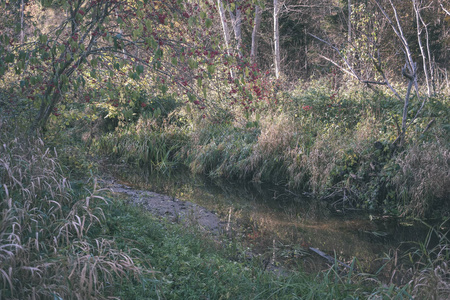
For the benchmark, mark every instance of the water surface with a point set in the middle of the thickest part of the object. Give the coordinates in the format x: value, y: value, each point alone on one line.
x: 280, y: 226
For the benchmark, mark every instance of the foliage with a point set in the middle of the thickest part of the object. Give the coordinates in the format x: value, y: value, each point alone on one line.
x: 337, y: 144
x: 109, y: 54
x: 50, y: 246
x: 422, y: 179
x: 430, y: 264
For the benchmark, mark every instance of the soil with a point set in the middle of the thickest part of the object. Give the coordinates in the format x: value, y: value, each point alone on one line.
x: 170, y: 208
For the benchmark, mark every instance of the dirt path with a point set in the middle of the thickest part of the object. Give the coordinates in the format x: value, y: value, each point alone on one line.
x: 167, y: 207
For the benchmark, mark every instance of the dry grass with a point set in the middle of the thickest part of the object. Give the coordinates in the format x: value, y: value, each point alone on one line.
x: 46, y: 249
x: 424, y: 177
x: 431, y: 271
x: 322, y: 159
x: 271, y: 153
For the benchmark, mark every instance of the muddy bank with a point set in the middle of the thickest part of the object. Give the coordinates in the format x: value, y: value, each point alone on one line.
x: 170, y: 208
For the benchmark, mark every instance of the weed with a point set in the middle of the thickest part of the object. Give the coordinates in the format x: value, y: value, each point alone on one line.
x: 47, y: 249
x: 423, y: 178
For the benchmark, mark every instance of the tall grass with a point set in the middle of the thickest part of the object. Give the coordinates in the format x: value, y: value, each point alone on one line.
x: 423, y: 177
x: 431, y: 269
x: 336, y: 145
x: 145, y: 144
x: 47, y: 246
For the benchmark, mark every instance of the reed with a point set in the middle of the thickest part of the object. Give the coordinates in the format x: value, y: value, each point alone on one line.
x: 423, y: 177
x: 47, y: 249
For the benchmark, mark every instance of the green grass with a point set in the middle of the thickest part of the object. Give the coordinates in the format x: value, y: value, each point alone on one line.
x: 189, y: 265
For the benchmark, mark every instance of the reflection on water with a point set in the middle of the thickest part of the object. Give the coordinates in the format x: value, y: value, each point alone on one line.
x: 280, y: 225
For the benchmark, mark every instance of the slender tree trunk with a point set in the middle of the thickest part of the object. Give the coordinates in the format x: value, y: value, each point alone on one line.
x: 405, y: 109
x: 226, y: 32
x: 223, y: 20
x: 22, y: 34
x: 419, y: 39
x: 276, y: 38
x: 349, y: 37
x: 255, y: 34
x: 306, y: 53
x: 236, y: 22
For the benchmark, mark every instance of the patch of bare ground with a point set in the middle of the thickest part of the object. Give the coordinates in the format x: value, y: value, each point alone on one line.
x: 170, y: 208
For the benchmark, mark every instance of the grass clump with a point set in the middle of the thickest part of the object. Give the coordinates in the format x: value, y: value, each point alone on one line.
x: 431, y: 269
x: 423, y: 177
x: 144, y: 144
x: 50, y: 246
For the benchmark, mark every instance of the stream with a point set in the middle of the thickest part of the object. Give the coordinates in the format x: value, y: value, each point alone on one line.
x: 281, y: 227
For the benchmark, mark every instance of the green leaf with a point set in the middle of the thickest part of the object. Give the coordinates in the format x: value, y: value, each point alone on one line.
x: 140, y: 69
x: 64, y: 79
x: 22, y: 55
x: 94, y: 62
x: 9, y: 58
x: 163, y: 88
x: 43, y: 38
x: 136, y: 33
x: 193, y: 64
x: 211, y: 69
x: 159, y: 53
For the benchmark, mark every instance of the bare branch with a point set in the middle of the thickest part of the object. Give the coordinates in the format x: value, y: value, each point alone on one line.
x: 446, y: 11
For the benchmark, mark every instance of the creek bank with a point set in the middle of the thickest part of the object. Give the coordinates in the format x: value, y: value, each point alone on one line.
x: 169, y: 208
x: 180, y: 211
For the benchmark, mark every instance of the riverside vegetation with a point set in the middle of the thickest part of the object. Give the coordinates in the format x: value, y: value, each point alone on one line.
x: 64, y: 237
x: 149, y: 84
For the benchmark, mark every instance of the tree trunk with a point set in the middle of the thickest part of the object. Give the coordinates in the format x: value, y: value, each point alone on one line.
x: 22, y: 34
x: 419, y: 39
x: 236, y: 22
x: 349, y: 37
x: 223, y: 20
x: 255, y: 35
x: 226, y: 32
x: 276, y: 38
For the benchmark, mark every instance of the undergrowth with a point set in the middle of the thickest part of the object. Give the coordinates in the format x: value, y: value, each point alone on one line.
x: 50, y: 246
x: 339, y: 146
